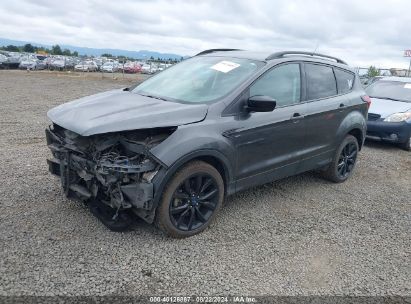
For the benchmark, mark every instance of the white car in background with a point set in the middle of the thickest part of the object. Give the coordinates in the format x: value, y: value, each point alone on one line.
x: 3, y: 58
x: 62, y: 63
x: 86, y: 66
x: 13, y: 60
x: 162, y: 67
x: 109, y: 67
x: 149, y: 69
x: 57, y: 64
x: 28, y: 64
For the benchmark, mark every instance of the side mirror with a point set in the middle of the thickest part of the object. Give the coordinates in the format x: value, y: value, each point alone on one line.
x: 260, y: 103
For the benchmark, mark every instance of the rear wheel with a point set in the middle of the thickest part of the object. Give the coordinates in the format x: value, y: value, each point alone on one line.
x: 191, y: 200
x: 344, y: 160
x: 407, y: 145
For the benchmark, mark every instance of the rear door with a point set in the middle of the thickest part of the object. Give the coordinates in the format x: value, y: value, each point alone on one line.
x: 326, y: 108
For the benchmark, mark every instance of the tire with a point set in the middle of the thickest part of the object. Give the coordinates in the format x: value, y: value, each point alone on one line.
x: 181, y: 214
x: 406, y: 145
x: 345, y: 157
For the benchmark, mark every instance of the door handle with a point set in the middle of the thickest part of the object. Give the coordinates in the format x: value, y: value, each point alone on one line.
x: 296, y: 117
x: 341, y: 107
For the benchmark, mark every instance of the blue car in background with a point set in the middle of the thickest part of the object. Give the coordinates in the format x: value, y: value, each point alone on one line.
x: 389, y: 116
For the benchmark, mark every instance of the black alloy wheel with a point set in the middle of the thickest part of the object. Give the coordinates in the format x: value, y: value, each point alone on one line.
x: 190, y: 200
x: 344, y: 160
x: 193, y: 202
x: 347, y: 159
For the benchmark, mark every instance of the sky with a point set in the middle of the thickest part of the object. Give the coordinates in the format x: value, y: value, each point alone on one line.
x: 361, y: 32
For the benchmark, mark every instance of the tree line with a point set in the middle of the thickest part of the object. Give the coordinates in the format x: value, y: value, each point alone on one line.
x: 29, y: 48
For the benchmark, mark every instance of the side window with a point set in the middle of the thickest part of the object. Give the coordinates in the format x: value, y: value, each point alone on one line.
x: 320, y: 81
x: 345, y: 80
x: 281, y: 83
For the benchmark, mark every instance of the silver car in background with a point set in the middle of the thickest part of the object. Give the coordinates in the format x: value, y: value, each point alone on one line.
x: 86, y: 66
x: 109, y: 67
x: 389, y: 116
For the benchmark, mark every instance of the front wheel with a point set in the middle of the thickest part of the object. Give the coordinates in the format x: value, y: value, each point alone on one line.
x: 191, y: 200
x: 344, y: 161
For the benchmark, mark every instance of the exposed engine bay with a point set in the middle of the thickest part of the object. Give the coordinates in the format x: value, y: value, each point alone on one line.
x: 110, y: 172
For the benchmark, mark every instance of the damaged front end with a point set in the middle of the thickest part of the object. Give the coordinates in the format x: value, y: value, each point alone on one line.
x: 110, y: 172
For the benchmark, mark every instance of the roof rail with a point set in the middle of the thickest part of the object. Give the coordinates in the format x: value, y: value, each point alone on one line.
x: 216, y: 50
x: 285, y: 53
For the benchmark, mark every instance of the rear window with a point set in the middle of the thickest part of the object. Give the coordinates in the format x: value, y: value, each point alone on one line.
x: 345, y: 80
x: 320, y: 81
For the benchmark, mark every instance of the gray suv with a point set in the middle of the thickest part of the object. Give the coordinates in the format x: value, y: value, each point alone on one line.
x: 170, y: 149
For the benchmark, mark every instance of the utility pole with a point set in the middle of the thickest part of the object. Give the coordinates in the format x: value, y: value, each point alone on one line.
x: 407, y: 53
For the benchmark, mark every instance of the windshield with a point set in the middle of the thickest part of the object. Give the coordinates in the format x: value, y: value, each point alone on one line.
x: 395, y: 90
x: 199, y: 79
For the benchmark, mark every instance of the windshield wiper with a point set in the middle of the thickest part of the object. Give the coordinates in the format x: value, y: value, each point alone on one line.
x: 155, y: 97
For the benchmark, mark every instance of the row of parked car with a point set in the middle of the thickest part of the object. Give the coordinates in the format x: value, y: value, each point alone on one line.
x: 41, y: 62
x: 114, y: 66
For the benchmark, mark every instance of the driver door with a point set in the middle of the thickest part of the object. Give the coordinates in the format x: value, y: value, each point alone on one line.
x: 271, y: 144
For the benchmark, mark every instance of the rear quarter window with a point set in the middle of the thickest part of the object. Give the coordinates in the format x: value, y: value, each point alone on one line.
x: 345, y: 81
x: 320, y: 81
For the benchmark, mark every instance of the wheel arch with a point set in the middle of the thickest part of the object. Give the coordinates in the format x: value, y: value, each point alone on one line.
x: 358, y: 134
x: 353, y: 124
x: 212, y: 157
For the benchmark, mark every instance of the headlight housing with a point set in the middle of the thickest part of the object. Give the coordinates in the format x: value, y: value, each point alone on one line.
x: 398, y: 117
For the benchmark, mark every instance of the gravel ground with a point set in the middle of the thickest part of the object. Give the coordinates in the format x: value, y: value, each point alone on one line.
x: 301, y: 235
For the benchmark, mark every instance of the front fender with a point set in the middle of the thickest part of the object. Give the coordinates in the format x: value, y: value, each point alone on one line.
x: 191, y: 138
x: 188, y: 143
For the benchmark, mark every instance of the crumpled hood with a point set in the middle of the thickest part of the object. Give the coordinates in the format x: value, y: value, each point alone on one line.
x: 386, y: 107
x: 119, y: 110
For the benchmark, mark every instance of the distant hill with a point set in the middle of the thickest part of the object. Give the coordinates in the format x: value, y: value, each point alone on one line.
x: 142, y: 54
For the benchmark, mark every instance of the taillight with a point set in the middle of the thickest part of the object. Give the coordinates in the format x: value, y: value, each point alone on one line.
x: 366, y: 99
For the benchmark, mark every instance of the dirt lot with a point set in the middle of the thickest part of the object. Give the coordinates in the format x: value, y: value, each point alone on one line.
x: 301, y: 235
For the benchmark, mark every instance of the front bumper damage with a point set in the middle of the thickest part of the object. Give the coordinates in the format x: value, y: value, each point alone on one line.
x: 111, y: 173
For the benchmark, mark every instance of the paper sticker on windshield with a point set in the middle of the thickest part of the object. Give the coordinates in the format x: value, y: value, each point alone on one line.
x: 407, y: 86
x: 225, y: 66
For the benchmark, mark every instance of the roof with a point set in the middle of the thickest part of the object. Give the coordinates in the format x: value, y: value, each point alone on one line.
x: 268, y: 56
x: 398, y: 79
x: 260, y: 56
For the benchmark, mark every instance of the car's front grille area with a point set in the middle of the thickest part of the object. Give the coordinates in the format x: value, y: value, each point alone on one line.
x: 372, y: 116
